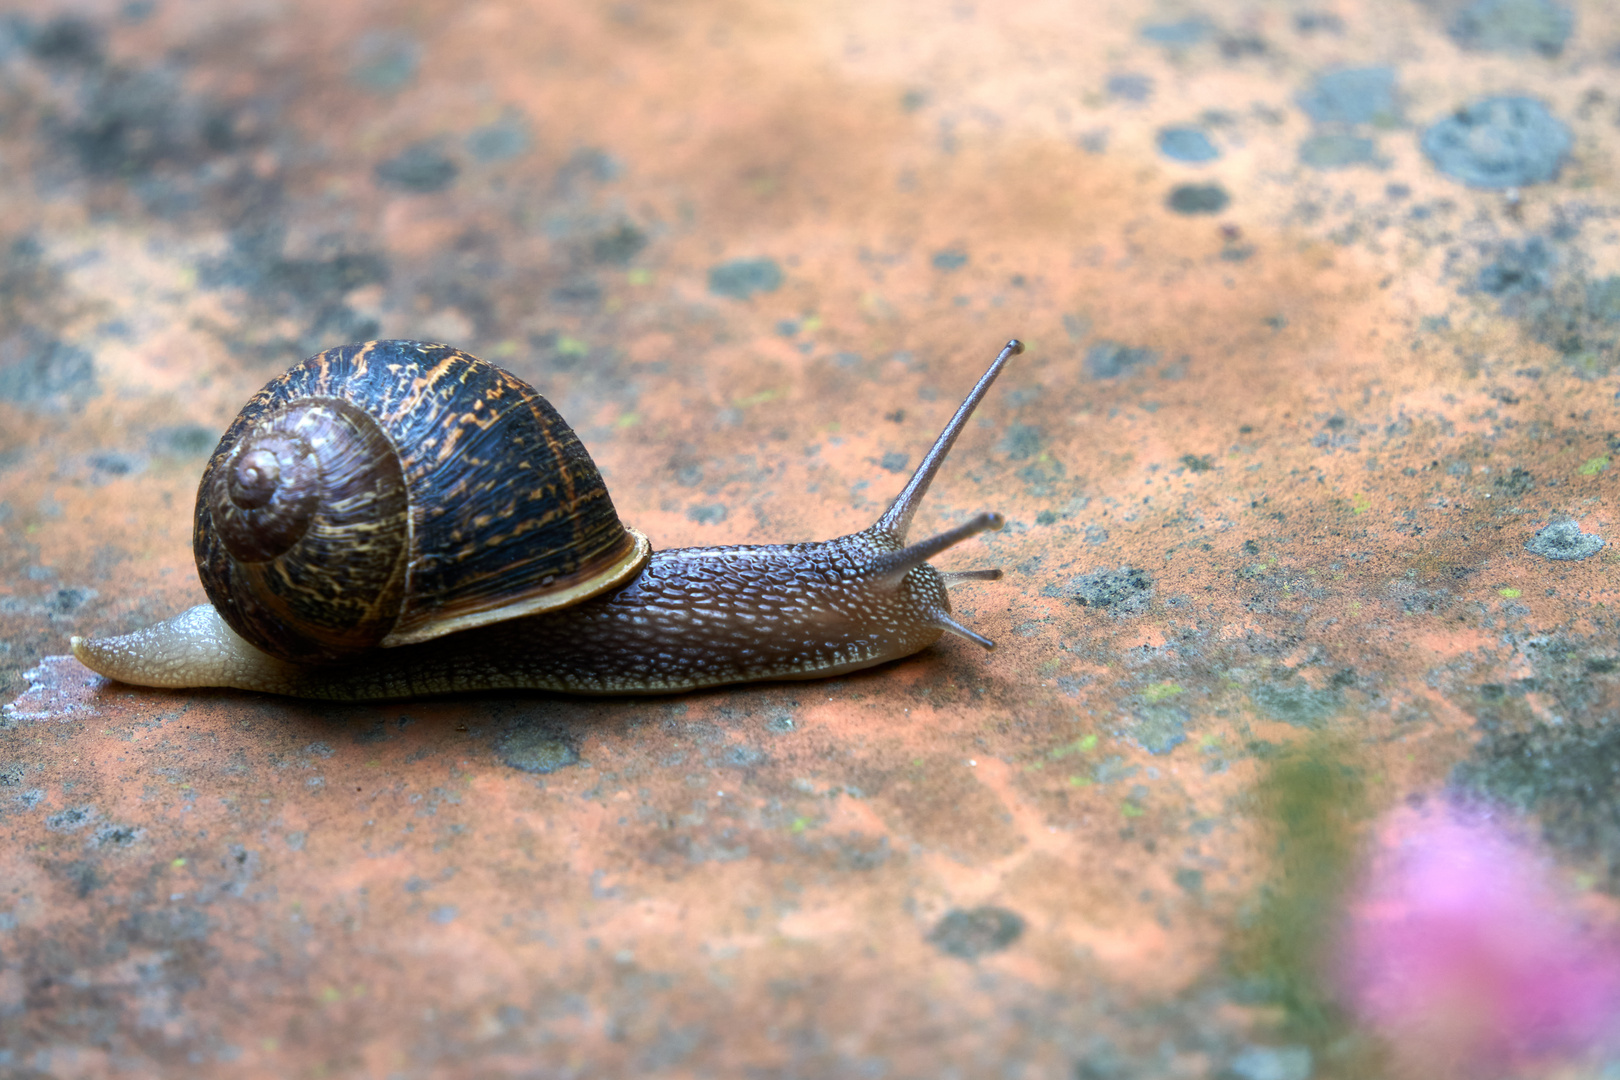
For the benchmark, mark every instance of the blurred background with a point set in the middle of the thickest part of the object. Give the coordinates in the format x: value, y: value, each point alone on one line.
x: 1298, y: 754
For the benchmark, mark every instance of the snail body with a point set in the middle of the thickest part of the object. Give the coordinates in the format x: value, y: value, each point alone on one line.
x: 398, y: 519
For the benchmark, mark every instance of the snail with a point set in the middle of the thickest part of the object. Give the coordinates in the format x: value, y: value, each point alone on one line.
x: 397, y: 519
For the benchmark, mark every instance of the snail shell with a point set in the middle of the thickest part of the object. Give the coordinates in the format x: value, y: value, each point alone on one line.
x: 391, y: 492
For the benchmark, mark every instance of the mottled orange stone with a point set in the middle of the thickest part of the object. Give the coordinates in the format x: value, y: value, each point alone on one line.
x: 1268, y: 472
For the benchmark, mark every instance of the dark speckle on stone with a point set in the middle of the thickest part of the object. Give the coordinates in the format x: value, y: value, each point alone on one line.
x: 1539, y: 26
x: 742, y: 278
x: 1603, y: 299
x: 1022, y: 442
x: 1296, y: 702
x: 1237, y: 46
x: 310, y: 291
x: 1567, y: 774
x: 1565, y: 542
x: 1183, y: 33
x: 536, y: 748
x: 1499, y: 142
x: 894, y: 461
x: 1337, y: 150
x: 1186, y: 144
x: 34, y: 369
x: 75, y: 817
x: 184, y: 440
x: 1198, y: 199
x: 114, y: 463
x: 619, y: 245
x: 589, y: 164
x: 707, y: 513
x: 83, y: 875
x: 744, y: 757
x: 1110, y: 359
x: 131, y: 124
x: 67, y: 39
x: 420, y: 169
x: 970, y: 933
x: 1518, y: 481
x: 257, y: 265
x: 1518, y: 269
x: 1352, y: 96
x: 507, y: 138
x: 1160, y: 727
x: 385, y: 61
x: 1121, y: 592
x: 1104, y: 1062
x: 1312, y: 22
x: 949, y: 259
x: 68, y: 601
x: 578, y: 290
x: 116, y: 835
x: 1130, y: 86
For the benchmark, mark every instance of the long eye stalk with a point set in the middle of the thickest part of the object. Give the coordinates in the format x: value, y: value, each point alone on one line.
x: 896, y: 520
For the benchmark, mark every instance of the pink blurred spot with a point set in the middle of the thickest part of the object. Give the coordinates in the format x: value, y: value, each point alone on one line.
x: 1460, y: 950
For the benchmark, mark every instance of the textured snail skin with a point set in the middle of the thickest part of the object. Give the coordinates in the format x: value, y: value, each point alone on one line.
x: 694, y: 617
x: 691, y: 618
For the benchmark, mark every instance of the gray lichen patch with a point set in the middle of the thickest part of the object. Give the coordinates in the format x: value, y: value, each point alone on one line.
x: 1564, y: 541
x: 420, y: 168
x: 1566, y: 774
x: 742, y: 278
x: 1122, y: 592
x: 1112, y: 359
x: 1159, y: 727
x: 1198, y: 199
x: 1353, y: 96
x: 536, y: 748
x: 1296, y: 702
x: 1546, y: 281
x: 71, y: 819
x: 1337, y: 150
x: 1539, y: 26
x: 1499, y: 142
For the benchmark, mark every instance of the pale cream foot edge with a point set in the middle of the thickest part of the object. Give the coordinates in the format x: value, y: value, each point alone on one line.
x: 195, y: 648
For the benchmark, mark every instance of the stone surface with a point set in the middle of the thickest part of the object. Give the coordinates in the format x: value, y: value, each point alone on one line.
x: 1278, y: 467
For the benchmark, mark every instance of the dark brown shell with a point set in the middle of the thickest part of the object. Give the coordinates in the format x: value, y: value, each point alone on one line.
x: 394, y: 491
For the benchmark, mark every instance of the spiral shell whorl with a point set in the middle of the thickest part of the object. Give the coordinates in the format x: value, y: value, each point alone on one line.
x: 395, y: 491
x: 303, y: 530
